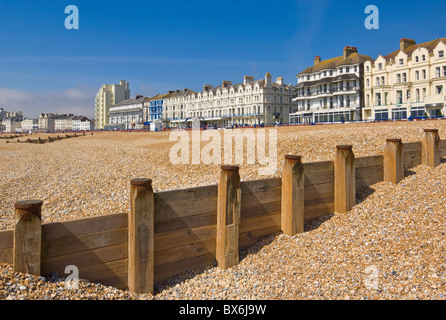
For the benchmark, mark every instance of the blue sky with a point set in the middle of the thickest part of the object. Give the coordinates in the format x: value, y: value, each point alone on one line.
x: 167, y: 45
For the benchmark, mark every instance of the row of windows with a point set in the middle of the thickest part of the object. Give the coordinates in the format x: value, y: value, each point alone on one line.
x: 401, y: 61
x: 402, y: 77
x: 328, y: 73
x: 420, y: 95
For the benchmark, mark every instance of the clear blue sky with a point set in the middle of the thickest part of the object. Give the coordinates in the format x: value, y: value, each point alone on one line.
x: 167, y: 45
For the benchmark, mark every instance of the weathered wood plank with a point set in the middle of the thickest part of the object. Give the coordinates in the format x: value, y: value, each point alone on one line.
x: 6, y: 255
x: 364, y: 183
x: 184, y: 237
x: 64, y: 246
x: 184, y: 252
x: 442, y: 148
x: 318, y: 178
x: 260, y: 185
x: 412, y: 147
x: 68, y: 229
x: 119, y: 281
x: 85, y: 258
x: 367, y: 172
x: 102, y: 271
x: 248, y: 239
x: 262, y: 222
x: 319, y: 166
x: 372, y: 161
x: 315, y: 211
x: 208, y: 219
x: 184, y: 209
x: 185, y: 195
x: 312, y: 192
x: 6, y: 239
x: 168, y: 270
x: 261, y: 198
x: 265, y: 209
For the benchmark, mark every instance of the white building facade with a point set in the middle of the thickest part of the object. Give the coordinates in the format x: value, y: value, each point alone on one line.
x: 408, y: 83
x: 252, y: 102
x: 127, y: 115
x: 331, y: 90
x: 30, y: 125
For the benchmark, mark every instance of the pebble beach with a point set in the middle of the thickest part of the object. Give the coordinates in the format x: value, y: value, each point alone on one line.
x: 390, y: 246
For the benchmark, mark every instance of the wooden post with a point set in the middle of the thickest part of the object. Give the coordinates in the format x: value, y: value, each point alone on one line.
x: 393, y: 161
x: 430, y: 154
x: 27, y: 237
x: 141, y: 237
x: 228, y: 217
x: 345, y: 184
x: 292, y: 215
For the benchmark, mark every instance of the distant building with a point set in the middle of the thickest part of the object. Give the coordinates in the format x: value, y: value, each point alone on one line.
x: 331, y: 90
x: 407, y: 83
x: 30, y: 125
x: 108, y: 96
x: 64, y: 123
x: 153, y: 108
x: 81, y: 123
x: 46, y: 121
x: 11, y: 125
x: 127, y: 114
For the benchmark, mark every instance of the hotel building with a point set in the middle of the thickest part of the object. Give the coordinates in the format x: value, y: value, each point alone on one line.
x: 331, y: 90
x: 253, y: 102
x: 407, y: 83
x: 127, y: 114
x: 108, y: 96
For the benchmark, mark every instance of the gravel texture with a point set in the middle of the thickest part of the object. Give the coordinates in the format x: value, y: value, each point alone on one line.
x: 390, y: 246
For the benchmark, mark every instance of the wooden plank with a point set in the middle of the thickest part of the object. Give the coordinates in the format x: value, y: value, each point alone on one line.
x: 6, y: 255
x: 85, y: 258
x: 367, y: 172
x: 412, y: 147
x: 185, y: 251
x: 319, y: 166
x: 372, y: 161
x: 318, y: 191
x: 185, y: 236
x: 248, y: 239
x: 318, y: 178
x: 326, y: 198
x: 168, y: 270
x: 64, y: 246
x: 208, y: 219
x: 261, y: 198
x: 442, y: 148
x: 102, y: 271
x: 119, y: 281
x: 411, y: 159
x: 265, y: 209
x: 315, y: 211
x: 260, y: 185
x: 185, y: 195
x: 262, y: 222
x: 68, y: 229
x: 6, y: 239
x: 184, y: 209
x: 364, y: 183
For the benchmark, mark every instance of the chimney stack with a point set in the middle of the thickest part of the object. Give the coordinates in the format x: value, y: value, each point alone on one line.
x: 207, y: 87
x: 279, y: 80
x: 317, y: 60
x: 349, y: 50
x: 268, y: 82
x: 226, y: 84
x: 247, y: 79
x: 406, y: 43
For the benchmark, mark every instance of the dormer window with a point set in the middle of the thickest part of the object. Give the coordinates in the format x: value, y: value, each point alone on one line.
x: 380, y: 66
x: 417, y: 59
x: 424, y: 57
x: 401, y: 62
x: 441, y: 54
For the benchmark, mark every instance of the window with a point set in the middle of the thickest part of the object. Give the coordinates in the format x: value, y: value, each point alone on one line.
x: 367, y: 68
x: 418, y: 95
x: 401, y: 62
x: 378, y: 99
x: 399, y: 95
x: 383, y: 81
x: 341, y: 70
x: 444, y: 71
x: 404, y: 77
x: 441, y: 54
x: 417, y: 75
x: 424, y: 74
x: 424, y: 57
x: 347, y: 69
x: 398, y: 78
x: 368, y: 83
x: 377, y: 82
x: 439, y: 89
x: 380, y: 66
x: 417, y: 59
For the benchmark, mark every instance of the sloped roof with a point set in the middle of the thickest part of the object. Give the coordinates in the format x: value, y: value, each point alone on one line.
x: 429, y: 45
x: 332, y: 63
